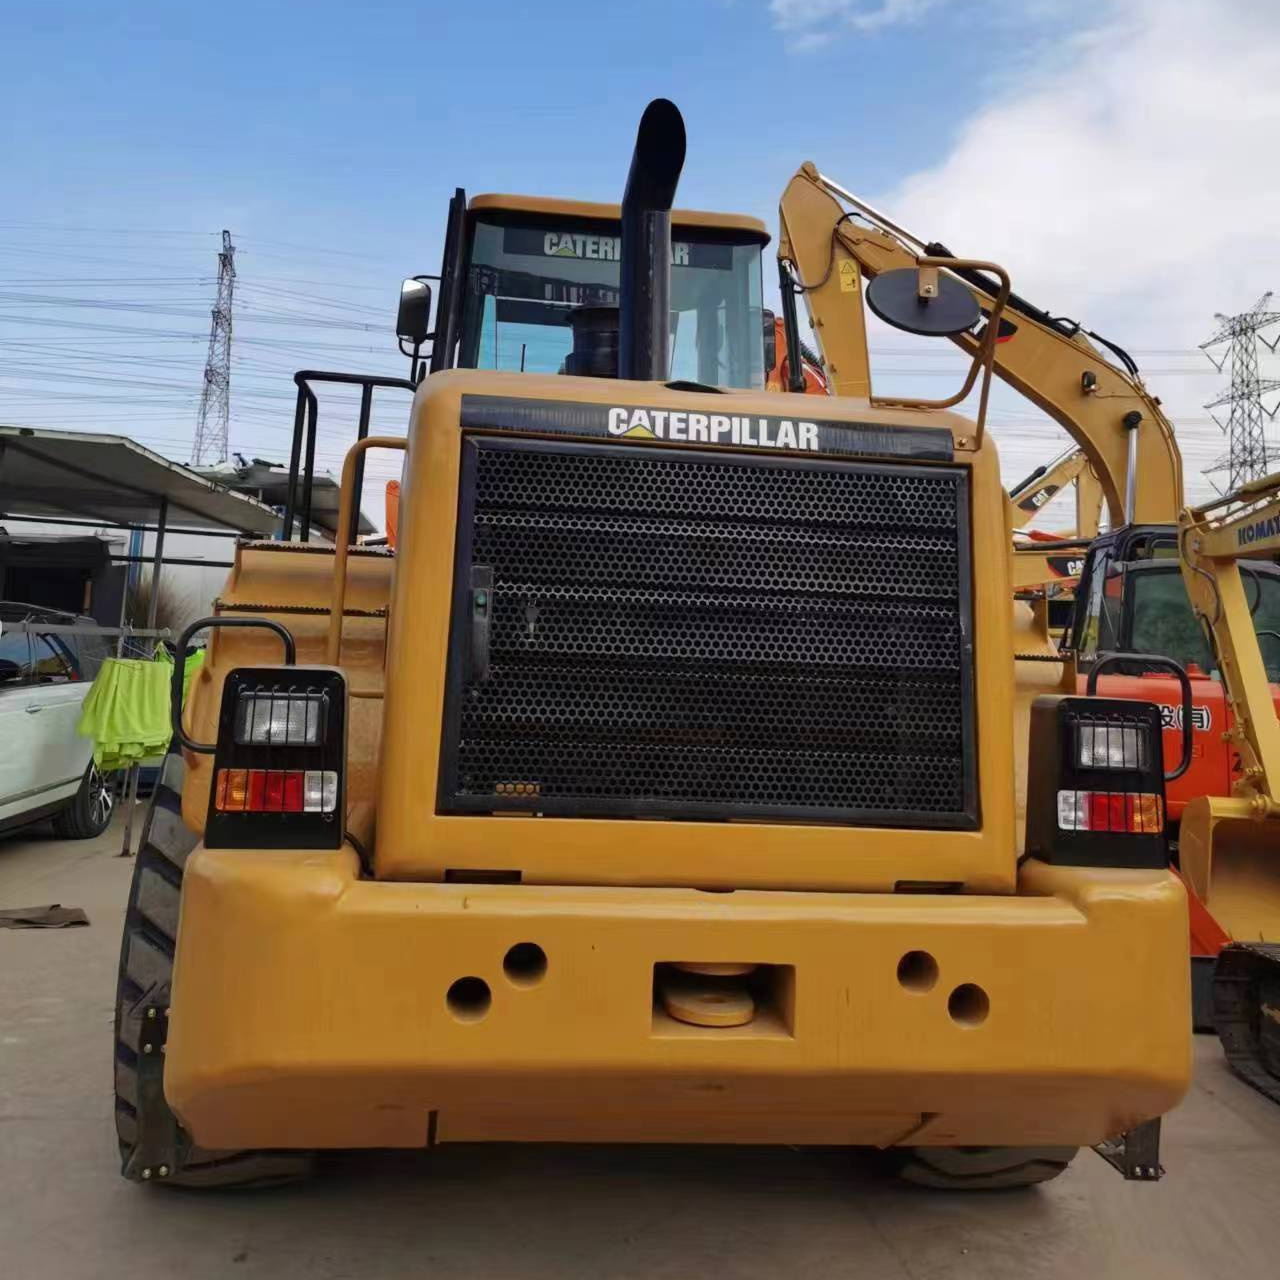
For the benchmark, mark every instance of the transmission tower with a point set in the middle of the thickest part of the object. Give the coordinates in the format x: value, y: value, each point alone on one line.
x: 1248, y: 455
x: 215, y: 396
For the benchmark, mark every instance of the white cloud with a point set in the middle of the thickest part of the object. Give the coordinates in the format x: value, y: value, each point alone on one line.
x: 1130, y: 179
x: 808, y: 24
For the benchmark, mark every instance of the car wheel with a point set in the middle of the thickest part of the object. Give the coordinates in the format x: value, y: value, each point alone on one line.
x: 89, y: 814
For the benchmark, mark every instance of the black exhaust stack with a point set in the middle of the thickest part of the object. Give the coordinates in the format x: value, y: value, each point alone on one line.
x: 645, y: 302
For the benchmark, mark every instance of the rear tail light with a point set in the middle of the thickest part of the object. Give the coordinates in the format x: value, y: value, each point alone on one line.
x: 280, y: 760
x: 1110, y: 811
x: 1095, y: 783
x: 277, y: 791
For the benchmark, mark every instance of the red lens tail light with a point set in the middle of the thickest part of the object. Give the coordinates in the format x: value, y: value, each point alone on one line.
x: 278, y: 767
x: 276, y: 791
x: 1138, y: 813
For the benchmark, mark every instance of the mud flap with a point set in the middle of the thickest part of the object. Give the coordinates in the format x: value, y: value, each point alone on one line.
x: 1135, y: 1153
x: 161, y: 1147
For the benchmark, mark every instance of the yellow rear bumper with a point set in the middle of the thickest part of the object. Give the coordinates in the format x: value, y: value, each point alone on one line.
x: 310, y: 1010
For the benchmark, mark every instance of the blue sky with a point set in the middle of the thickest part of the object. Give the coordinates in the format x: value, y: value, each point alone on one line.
x: 329, y: 136
x: 357, y: 120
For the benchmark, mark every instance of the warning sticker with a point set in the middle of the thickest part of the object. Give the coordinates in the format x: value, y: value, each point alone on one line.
x: 848, y: 277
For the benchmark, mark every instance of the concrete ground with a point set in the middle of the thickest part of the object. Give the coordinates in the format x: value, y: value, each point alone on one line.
x: 493, y: 1212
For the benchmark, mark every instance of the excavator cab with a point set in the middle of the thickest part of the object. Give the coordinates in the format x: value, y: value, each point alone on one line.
x: 1132, y: 600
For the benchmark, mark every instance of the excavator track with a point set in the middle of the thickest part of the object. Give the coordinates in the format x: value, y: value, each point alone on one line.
x: 1246, y: 1007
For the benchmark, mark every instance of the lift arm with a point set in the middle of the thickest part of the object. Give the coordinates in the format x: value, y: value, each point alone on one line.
x: 826, y: 251
x: 1212, y: 540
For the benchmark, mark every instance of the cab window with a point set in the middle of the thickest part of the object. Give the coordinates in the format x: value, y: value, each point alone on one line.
x: 526, y: 276
x: 1262, y: 590
x: 1100, y: 631
x: 1163, y: 622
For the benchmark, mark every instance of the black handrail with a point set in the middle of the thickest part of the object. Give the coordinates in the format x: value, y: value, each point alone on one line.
x: 183, y: 643
x: 305, y: 423
x: 1184, y: 680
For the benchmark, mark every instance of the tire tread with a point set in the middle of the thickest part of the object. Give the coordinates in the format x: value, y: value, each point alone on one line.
x: 146, y: 962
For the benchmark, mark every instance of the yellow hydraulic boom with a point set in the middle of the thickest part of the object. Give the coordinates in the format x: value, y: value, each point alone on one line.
x: 1045, y: 483
x: 828, y: 249
x: 1230, y: 845
x: 1039, y: 564
x: 1212, y: 541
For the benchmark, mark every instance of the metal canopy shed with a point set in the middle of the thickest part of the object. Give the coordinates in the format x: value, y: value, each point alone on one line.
x: 56, y: 475
x: 80, y: 477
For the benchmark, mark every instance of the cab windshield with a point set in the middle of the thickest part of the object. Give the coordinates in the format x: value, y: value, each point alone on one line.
x: 526, y: 275
x: 1163, y: 622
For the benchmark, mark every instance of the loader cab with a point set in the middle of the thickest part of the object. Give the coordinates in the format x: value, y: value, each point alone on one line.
x: 516, y: 268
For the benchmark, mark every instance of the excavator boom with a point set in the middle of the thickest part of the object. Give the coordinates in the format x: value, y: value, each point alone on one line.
x: 1033, y: 494
x: 828, y: 250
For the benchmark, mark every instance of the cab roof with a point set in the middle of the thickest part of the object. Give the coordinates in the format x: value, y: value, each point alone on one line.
x: 735, y: 222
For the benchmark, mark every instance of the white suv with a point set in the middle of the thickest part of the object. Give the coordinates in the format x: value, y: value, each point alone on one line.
x: 46, y: 767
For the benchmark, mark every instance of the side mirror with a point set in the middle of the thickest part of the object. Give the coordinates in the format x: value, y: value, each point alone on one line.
x: 413, y: 320
x: 770, y: 341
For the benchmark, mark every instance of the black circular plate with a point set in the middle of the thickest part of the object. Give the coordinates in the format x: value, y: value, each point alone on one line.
x: 893, y: 297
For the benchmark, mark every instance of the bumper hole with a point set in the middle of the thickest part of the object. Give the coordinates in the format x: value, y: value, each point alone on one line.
x: 525, y: 964
x: 968, y: 1005
x: 918, y: 971
x: 469, y: 999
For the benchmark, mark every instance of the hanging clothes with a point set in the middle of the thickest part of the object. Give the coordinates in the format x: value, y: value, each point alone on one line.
x: 126, y: 712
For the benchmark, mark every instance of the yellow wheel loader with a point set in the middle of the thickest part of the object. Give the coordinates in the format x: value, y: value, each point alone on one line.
x: 660, y: 786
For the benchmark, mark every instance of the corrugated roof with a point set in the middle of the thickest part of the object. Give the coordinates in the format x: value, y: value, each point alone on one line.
x: 80, y: 474
x: 272, y: 481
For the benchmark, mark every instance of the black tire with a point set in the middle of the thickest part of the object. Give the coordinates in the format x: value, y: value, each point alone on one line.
x: 89, y: 814
x: 146, y: 966
x: 982, y: 1168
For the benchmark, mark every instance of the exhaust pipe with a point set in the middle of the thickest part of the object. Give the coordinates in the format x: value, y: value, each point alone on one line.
x: 644, y: 322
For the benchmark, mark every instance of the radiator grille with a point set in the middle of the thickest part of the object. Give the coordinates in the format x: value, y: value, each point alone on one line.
x: 710, y: 636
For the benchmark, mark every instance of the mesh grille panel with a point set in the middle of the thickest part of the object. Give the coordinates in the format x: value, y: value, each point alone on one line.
x: 703, y: 635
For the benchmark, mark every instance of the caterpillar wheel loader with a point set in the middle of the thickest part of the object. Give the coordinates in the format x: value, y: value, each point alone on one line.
x: 660, y: 786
